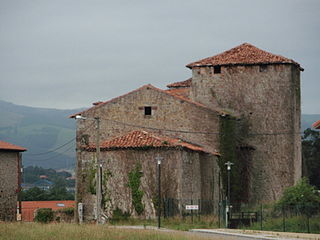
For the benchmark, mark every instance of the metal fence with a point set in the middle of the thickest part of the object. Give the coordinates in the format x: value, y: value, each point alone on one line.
x: 291, y: 218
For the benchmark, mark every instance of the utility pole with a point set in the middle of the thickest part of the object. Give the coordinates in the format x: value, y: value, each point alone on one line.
x: 99, y: 170
x: 159, y: 159
x: 99, y: 167
x: 228, y: 209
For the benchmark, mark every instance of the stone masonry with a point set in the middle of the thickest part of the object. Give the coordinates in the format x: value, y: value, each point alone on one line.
x: 244, y: 103
x: 10, y: 163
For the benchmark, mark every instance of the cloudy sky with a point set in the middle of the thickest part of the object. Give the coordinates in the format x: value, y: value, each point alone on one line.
x: 69, y: 53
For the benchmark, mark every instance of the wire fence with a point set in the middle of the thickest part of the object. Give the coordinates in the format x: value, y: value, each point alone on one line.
x: 286, y: 218
x: 291, y: 218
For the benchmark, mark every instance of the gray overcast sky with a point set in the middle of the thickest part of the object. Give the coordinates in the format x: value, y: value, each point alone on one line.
x: 70, y: 53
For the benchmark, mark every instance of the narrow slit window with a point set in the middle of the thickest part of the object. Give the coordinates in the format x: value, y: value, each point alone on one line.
x: 147, y: 111
x: 217, y: 69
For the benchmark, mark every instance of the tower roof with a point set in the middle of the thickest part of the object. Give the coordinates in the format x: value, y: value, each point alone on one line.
x: 244, y: 54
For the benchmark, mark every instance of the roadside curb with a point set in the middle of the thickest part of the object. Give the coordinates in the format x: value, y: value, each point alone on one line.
x: 260, y: 235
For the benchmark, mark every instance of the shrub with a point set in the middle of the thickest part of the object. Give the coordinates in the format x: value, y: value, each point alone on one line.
x: 301, y: 198
x: 118, y: 215
x: 44, y: 215
x: 69, y: 211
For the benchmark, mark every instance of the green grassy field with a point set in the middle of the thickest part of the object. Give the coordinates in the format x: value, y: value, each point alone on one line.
x: 63, y: 231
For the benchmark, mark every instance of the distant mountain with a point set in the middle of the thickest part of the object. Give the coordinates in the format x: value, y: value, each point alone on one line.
x: 42, y: 131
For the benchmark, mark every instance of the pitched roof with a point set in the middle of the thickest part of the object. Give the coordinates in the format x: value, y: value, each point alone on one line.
x: 148, y: 86
x: 181, y: 92
x: 316, y: 125
x: 11, y: 147
x: 182, y: 84
x: 29, y: 207
x: 142, y: 139
x: 244, y: 54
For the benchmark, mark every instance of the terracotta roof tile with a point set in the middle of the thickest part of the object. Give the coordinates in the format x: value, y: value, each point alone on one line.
x: 11, y: 147
x: 316, y: 125
x: 244, y: 54
x: 181, y: 92
x: 142, y: 139
x: 182, y: 84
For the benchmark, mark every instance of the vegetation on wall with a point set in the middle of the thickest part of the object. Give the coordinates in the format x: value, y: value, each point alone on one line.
x: 231, y: 136
x: 134, y: 184
x: 106, y: 192
x: 92, y: 178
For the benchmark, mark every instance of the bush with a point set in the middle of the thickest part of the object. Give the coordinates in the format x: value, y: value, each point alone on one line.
x: 69, y: 211
x: 300, y: 198
x: 118, y: 215
x: 44, y: 215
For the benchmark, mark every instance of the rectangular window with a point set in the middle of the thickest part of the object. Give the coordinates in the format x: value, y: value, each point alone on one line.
x: 263, y: 68
x: 217, y: 69
x: 147, y: 111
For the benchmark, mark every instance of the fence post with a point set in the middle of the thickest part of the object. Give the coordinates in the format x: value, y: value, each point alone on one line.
x: 192, y: 211
x: 199, y: 209
x: 219, y: 209
x: 283, y: 219
x: 261, y: 217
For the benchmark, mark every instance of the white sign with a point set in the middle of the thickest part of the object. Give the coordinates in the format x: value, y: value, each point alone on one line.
x: 192, y: 207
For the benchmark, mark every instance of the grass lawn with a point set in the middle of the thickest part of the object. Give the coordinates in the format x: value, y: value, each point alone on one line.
x: 64, y: 231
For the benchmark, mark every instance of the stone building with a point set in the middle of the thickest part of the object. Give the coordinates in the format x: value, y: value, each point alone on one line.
x: 242, y: 104
x: 10, y: 179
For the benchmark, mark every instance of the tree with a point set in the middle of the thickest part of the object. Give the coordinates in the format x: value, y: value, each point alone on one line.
x: 311, y: 156
x: 302, y: 197
x: 34, y: 194
x: 59, y: 192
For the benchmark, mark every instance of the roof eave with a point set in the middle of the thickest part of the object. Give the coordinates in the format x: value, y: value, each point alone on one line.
x: 193, y: 65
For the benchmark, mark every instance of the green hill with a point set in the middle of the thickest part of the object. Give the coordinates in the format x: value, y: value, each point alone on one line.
x: 41, y: 131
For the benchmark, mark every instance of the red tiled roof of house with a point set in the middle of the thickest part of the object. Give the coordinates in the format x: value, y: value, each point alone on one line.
x: 182, y: 92
x: 29, y: 207
x: 316, y: 125
x: 149, y: 86
x: 182, y: 84
x: 11, y: 147
x: 142, y: 139
x: 244, y: 54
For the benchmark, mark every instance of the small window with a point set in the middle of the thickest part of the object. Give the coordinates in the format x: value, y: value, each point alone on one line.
x: 217, y: 69
x: 263, y: 68
x: 147, y: 111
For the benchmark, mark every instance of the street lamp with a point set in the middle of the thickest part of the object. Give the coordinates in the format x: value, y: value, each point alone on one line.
x: 228, y: 210
x: 159, y: 159
x: 99, y: 166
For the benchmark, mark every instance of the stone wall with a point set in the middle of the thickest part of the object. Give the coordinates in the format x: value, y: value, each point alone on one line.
x: 8, y: 185
x: 182, y: 175
x: 268, y: 99
x: 171, y: 116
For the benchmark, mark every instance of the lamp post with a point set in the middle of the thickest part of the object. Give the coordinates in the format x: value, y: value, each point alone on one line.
x: 228, y: 210
x: 99, y: 166
x: 159, y: 159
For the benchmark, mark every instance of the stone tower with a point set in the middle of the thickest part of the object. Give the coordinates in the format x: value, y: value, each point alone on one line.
x: 264, y: 90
